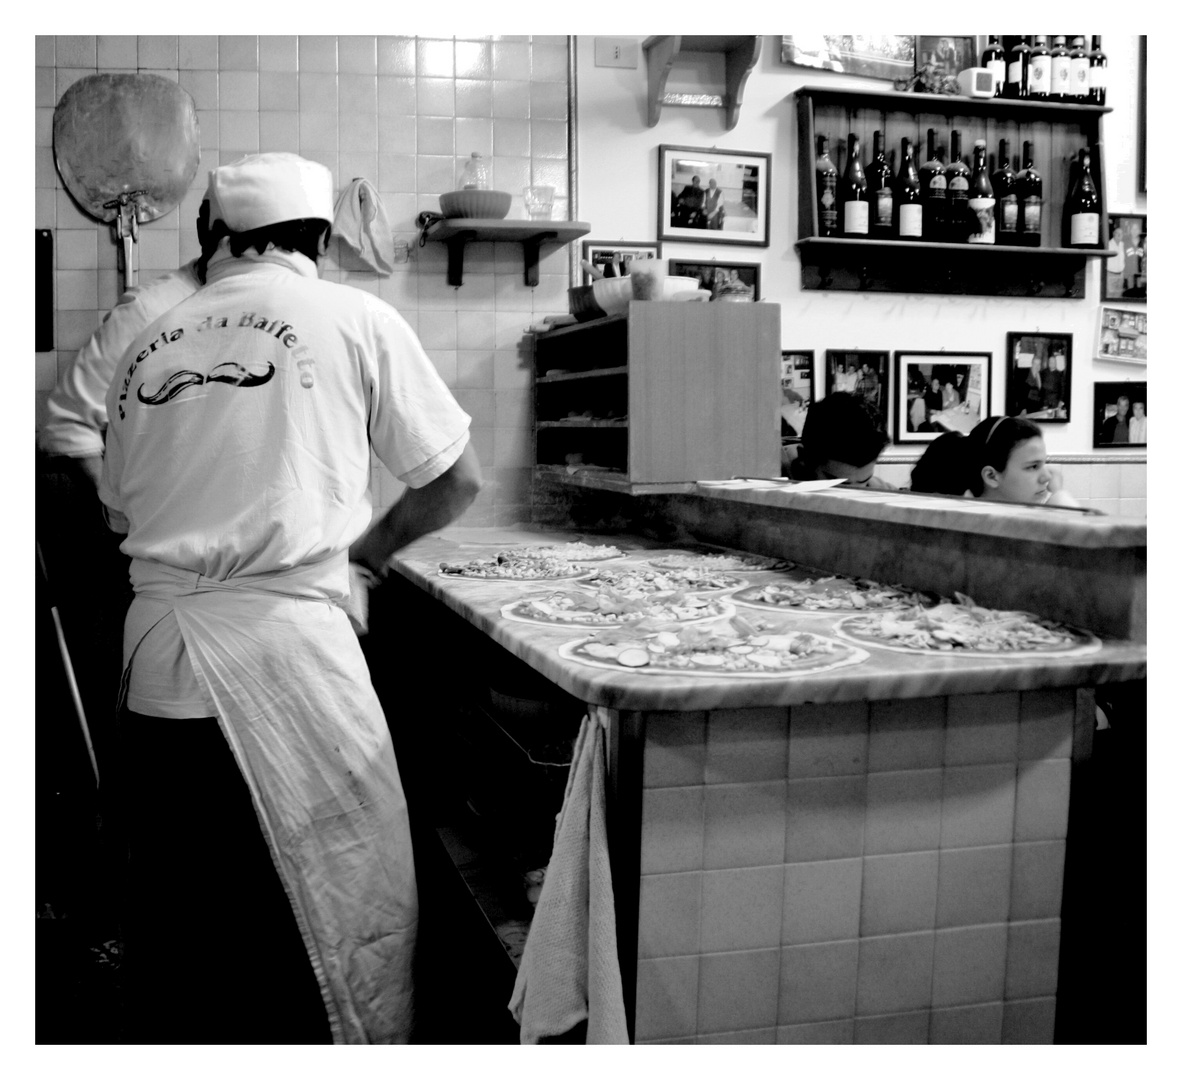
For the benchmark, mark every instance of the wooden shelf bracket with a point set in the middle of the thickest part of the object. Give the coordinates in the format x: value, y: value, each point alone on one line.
x: 661, y: 52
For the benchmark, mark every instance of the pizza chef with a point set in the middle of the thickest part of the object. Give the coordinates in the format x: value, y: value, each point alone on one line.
x: 237, y: 463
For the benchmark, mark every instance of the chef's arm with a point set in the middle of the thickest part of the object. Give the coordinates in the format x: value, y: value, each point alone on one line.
x: 420, y: 510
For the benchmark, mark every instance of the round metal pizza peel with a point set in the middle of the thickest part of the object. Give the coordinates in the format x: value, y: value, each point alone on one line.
x: 127, y: 147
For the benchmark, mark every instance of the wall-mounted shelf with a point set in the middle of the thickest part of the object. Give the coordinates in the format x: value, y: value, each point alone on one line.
x: 662, y: 52
x: 456, y: 233
x: 1056, y: 132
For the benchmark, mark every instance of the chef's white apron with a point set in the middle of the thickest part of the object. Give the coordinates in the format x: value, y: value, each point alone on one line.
x: 295, y: 702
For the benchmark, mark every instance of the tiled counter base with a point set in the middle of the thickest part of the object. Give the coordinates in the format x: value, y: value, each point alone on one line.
x: 878, y: 872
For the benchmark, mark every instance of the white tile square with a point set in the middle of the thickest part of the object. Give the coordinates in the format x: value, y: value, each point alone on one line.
x: 742, y: 908
x: 895, y: 973
x: 898, y: 893
x: 1032, y: 959
x: 738, y: 990
x: 1040, y: 810
x: 978, y: 805
x: 828, y: 740
x: 818, y: 982
x: 670, y: 915
x: 746, y: 744
x: 744, y: 824
x: 822, y: 901
x: 907, y: 733
x: 672, y: 827
x: 667, y: 998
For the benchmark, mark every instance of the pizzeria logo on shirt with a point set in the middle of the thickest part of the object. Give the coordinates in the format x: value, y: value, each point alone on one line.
x: 232, y: 373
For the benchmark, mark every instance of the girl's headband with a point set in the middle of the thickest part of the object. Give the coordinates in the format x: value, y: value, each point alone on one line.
x: 996, y: 424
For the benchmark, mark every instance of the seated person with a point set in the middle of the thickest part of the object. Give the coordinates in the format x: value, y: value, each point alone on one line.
x: 1008, y: 463
x: 944, y: 467
x: 842, y: 439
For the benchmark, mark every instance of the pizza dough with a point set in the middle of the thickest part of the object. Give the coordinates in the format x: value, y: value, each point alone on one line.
x: 572, y: 552
x: 725, y: 648
x: 510, y: 569
x: 827, y: 594
x: 641, y: 580
x: 965, y: 629
x: 577, y: 608
x: 681, y: 560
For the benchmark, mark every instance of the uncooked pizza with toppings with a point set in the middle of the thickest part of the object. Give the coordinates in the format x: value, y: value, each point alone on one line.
x: 729, y: 648
x: 576, y: 551
x: 502, y: 568
x: 686, y: 560
x: 963, y: 628
x: 603, y: 607
x: 642, y: 580
x: 829, y: 593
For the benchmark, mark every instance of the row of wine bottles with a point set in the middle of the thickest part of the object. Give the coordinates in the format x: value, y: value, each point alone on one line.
x: 1033, y: 71
x: 951, y: 204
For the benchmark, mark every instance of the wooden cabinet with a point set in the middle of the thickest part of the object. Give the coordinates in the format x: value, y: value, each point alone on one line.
x: 1057, y: 132
x: 669, y: 393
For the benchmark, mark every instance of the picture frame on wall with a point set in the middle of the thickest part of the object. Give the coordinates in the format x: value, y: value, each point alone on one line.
x: 796, y: 392
x: 611, y: 257
x: 732, y: 280
x: 874, y: 56
x: 939, y: 392
x: 712, y: 196
x: 1124, y: 277
x: 944, y: 55
x: 865, y: 374
x: 1123, y: 336
x: 1038, y: 376
x: 1120, y: 414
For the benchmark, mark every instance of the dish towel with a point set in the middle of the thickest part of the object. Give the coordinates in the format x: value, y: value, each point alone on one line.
x: 570, y: 970
x: 360, y: 220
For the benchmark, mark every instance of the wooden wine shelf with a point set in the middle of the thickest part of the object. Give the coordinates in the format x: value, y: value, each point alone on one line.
x: 1056, y: 132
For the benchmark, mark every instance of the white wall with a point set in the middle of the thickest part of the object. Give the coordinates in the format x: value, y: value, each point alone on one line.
x: 617, y: 185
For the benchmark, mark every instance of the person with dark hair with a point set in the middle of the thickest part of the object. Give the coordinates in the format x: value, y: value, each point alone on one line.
x: 944, y: 467
x: 1115, y: 428
x: 1008, y: 463
x: 265, y: 804
x: 842, y: 439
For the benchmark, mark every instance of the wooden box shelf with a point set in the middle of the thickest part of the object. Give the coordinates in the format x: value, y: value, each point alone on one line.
x: 667, y: 394
x: 1057, y: 132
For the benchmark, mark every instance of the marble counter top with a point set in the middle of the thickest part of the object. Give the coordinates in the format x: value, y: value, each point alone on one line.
x: 1049, y: 525
x: 885, y: 675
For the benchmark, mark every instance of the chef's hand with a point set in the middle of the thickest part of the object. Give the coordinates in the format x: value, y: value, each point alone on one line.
x: 361, y: 580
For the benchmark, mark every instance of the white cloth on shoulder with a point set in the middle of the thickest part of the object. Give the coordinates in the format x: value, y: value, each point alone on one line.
x: 570, y: 969
x: 360, y: 220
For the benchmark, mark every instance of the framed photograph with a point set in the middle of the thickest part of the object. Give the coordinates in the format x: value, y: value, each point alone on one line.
x: 938, y: 392
x: 734, y: 280
x: 865, y: 374
x: 944, y: 55
x: 1124, y: 276
x: 611, y: 257
x: 1038, y: 377
x: 1122, y: 336
x: 713, y: 196
x: 1120, y: 414
x: 875, y: 56
x: 796, y: 393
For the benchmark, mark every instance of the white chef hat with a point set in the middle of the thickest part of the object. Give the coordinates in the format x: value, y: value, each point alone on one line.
x: 264, y: 189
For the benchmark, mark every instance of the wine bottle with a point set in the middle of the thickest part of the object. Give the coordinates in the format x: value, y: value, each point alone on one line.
x: 1082, y: 209
x: 1060, y: 70
x: 1079, y: 70
x: 958, y: 225
x: 1029, y: 200
x: 1039, y: 84
x: 908, y: 204
x: 933, y: 191
x: 826, y: 190
x: 993, y: 59
x: 982, y: 203
x: 1018, y: 71
x: 1005, y: 190
x: 1097, y: 73
x: 882, y: 198
x: 854, y: 194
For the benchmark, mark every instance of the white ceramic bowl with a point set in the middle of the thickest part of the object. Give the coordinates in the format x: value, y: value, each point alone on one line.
x: 475, y: 203
x: 613, y: 294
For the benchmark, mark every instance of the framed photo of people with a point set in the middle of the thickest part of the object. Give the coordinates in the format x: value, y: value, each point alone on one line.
x: 713, y: 196
x: 1038, y: 377
x: 1120, y: 414
x: 873, y: 56
x: 864, y: 374
x: 796, y: 392
x: 729, y: 280
x: 938, y: 392
x: 1123, y: 336
x: 610, y: 258
x: 1125, y: 276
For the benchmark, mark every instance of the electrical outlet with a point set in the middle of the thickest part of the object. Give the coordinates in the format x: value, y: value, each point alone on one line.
x: 618, y: 52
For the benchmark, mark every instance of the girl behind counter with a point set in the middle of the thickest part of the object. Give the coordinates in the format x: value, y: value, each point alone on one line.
x: 1008, y: 463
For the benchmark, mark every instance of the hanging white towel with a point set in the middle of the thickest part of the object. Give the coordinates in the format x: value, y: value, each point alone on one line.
x: 570, y: 969
x: 359, y: 218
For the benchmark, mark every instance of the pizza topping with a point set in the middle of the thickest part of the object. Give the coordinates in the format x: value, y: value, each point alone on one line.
x: 962, y: 626
x: 830, y: 593
x: 604, y: 607
x: 725, y: 561
x: 642, y: 580
x: 512, y: 569
x: 571, y: 552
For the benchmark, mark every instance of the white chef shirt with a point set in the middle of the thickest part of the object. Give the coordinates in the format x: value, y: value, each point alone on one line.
x: 240, y: 431
x: 77, y: 406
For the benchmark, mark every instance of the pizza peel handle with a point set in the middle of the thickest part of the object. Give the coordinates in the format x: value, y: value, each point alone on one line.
x: 127, y: 147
